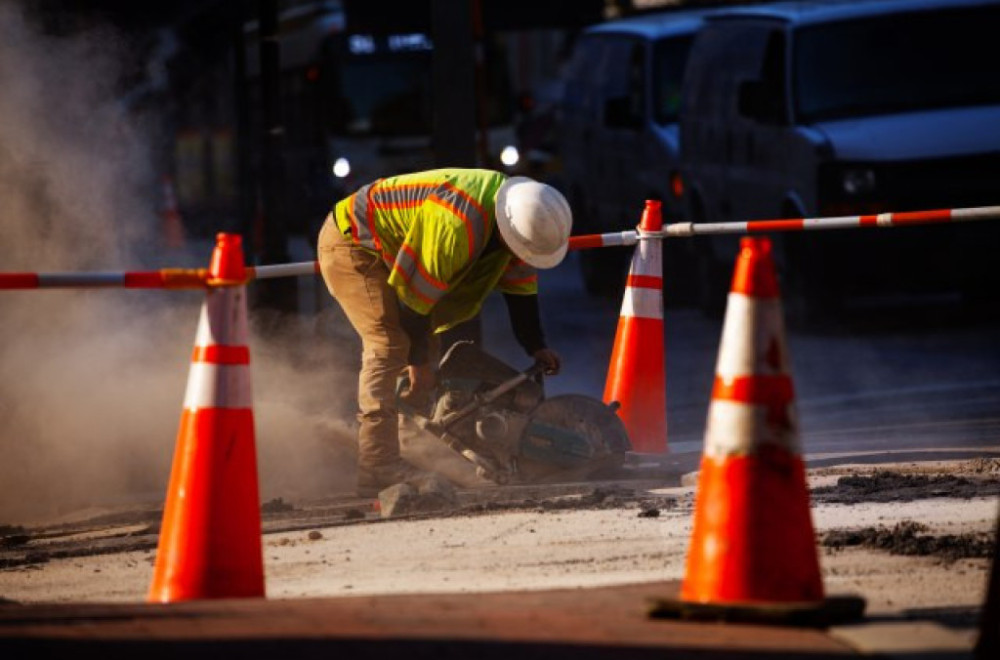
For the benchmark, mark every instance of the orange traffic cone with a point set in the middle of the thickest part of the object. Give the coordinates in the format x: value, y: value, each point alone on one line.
x: 173, y: 226
x: 210, y: 538
x: 753, y: 538
x: 636, y: 377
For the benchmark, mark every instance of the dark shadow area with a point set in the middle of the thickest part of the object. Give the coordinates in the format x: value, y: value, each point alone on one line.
x: 951, y: 617
x: 374, y: 649
x: 893, y: 315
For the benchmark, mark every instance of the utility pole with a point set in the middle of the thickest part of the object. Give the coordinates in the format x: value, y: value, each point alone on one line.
x: 245, y: 182
x: 281, y: 293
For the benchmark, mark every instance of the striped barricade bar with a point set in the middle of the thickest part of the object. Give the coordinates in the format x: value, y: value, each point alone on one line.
x: 267, y: 272
x: 181, y: 278
x: 167, y: 278
x: 882, y: 220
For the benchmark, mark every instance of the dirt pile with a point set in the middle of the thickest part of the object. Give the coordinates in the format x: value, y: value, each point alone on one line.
x: 910, y: 538
x: 891, y: 486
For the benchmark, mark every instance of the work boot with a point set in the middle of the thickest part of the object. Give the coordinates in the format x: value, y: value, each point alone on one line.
x: 374, y: 479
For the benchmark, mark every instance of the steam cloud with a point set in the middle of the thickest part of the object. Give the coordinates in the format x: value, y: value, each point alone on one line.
x: 92, y: 381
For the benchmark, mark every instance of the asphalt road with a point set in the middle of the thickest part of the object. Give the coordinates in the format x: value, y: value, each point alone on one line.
x: 890, y: 376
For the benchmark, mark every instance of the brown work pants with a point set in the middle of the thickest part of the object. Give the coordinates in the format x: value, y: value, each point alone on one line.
x: 358, y: 280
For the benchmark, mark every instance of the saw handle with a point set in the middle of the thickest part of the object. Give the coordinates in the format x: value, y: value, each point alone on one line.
x: 492, y: 395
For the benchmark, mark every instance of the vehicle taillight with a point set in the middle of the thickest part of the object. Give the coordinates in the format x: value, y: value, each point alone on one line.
x: 676, y: 185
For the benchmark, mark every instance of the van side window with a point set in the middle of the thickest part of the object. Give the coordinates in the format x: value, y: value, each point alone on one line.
x: 637, y: 82
x: 754, y: 78
x: 773, y: 88
x: 578, y: 98
x: 669, y: 59
x: 622, y: 79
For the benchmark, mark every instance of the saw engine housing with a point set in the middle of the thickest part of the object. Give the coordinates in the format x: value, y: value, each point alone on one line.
x: 521, y: 436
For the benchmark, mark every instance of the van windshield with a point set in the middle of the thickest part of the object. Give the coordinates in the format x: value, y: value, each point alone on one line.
x: 669, y: 59
x: 373, y: 86
x: 900, y: 63
x: 381, y: 85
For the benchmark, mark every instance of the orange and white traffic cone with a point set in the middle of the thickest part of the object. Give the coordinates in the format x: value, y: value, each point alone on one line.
x: 173, y: 225
x: 636, y: 378
x: 210, y: 538
x: 753, y: 538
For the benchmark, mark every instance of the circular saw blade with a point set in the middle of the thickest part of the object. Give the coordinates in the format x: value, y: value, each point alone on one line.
x: 571, y: 436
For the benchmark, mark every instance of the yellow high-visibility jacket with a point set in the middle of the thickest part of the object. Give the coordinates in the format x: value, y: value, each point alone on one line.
x: 431, y: 229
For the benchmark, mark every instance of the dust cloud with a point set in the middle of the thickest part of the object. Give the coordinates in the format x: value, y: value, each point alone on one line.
x: 92, y: 381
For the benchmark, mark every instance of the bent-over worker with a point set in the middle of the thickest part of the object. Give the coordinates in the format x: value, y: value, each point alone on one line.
x: 416, y: 254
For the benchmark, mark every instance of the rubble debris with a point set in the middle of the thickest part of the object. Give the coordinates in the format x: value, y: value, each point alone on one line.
x: 597, y: 498
x: 909, y: 538
x: 887, y: 486
x: 315, y: 535
x: 983, y: 465
x: 427, y: 495
x: 649, y: 512
x: 14, y: 540
x: 277, y: 505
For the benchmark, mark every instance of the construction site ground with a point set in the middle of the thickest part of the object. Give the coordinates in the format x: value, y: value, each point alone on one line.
x: 570, y: 569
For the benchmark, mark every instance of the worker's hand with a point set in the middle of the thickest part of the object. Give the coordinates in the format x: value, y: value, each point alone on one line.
x: 422, y: 379
x: 549, y: 359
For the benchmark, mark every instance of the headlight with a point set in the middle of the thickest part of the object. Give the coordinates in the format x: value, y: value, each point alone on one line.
x: 858, y: 181
x: 341, y: 168
x: 509, y: 156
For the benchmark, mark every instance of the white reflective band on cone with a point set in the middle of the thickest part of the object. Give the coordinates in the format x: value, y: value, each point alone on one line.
x: 737, y: 355
x: 648, y: 259
x: 642, y: 303
x: 219, y: 323
x: 740, y: 428
x: 218, y: 386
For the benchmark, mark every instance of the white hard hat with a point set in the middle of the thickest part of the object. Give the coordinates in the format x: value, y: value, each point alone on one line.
x: 534, y: 220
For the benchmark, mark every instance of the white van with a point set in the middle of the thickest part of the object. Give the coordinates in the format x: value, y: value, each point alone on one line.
x: 617, y: 135
x: 813, y: 109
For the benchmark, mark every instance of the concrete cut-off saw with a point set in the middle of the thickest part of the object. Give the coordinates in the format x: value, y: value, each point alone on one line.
x: 486, y: 423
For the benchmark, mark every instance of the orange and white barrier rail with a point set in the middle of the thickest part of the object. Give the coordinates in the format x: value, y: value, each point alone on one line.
x: 165, y: 278
x: 685, y: 229
x: 197, y: 278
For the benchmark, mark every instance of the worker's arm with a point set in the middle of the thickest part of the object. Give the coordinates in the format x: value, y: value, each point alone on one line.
x: 526, y: 322
x: 419, y: 369
x: 417, y: 327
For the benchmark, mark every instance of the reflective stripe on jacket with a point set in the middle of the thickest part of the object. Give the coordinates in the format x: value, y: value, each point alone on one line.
x: 431, y: 229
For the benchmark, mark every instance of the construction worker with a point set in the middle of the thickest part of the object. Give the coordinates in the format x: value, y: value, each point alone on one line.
x: 413, y: 255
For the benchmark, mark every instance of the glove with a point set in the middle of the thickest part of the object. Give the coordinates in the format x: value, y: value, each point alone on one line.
x: 548, y: 359
x: 422, y: 379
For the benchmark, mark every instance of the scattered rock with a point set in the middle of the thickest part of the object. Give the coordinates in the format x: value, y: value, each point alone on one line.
x: 649, y: 512
x: 314, y: 535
